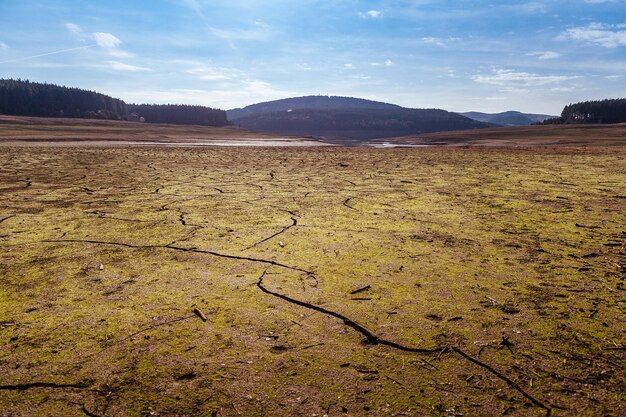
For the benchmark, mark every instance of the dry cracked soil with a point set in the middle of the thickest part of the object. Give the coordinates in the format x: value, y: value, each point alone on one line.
x: 153, y: 281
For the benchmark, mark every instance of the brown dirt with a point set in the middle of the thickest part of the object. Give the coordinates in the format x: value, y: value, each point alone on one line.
x: 514, y: 258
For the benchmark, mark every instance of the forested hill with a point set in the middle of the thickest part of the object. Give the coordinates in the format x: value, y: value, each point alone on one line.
x: 358, y: 124
x: 25, y: 98
x: 599, y: 111
x: 309, y: 103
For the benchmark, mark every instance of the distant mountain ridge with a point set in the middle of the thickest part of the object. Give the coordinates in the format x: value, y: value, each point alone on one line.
x: 507, y: 118
x: 346, y: 118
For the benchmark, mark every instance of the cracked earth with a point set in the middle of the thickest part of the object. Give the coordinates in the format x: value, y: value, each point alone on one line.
x: 335, y: 281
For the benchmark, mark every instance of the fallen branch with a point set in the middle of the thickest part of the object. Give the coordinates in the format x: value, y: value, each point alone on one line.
x: 199, y: 313
x: 367, y: 287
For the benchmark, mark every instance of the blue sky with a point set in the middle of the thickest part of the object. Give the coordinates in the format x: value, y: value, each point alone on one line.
x: 456, y: 55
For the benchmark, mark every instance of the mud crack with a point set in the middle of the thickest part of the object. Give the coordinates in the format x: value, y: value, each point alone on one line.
x: 375, y: 340
x: 171, y: 246
x: 294, y: 222
x: 7, y: 218
x: 30, y: 385
x: 346, y: 203
x: 369, y: 336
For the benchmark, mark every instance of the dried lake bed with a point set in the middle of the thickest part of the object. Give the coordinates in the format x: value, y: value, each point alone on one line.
x: 338, y: 281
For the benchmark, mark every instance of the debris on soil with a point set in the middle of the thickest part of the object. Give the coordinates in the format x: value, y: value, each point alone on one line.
x: 358, y: 290
x: 199, y: 313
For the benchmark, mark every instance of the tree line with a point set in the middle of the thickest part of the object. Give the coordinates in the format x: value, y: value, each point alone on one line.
x: 597, y: 111
x: 181, y: 114
x: 25, y: 98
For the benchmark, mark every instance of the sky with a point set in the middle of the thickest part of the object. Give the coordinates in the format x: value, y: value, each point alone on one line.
x: 463, y: 55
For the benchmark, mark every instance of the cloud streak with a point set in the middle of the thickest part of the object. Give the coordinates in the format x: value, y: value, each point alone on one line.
x: 120, y: 66
x: 545, y: 55
x: 60, y: 51
x: 371, y: 14
x: 608, y: 36
x: 518, y: 79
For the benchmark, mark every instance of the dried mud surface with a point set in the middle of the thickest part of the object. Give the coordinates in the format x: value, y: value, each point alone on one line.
x: 317, y: 281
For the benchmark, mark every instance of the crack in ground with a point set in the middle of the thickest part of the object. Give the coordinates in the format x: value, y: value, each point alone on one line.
x: 283, y: 230
x: 505, y: 379
x: 7, y: 218
x: 181, y: 249
x: 347, y: 201
x: 375, y: 340
x: 30, y: 385
x: 370, y: 337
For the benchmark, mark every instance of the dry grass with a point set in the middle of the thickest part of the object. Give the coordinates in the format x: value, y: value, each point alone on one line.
x: 515, y: 257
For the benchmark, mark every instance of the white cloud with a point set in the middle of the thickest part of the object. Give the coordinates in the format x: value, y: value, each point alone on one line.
x: 443, y: 42
x: 106, y: 40
x: 371, y: 14
x: 510, y: 79
x: 545, y: 55
x: 257, y: 31
x: 562, y: 89
x: 3, y: 46
x: 120, y: 66
x: 348, y: 66
x: 74, y: 28
x: 608, y: 36
x: 207, y: 73
x: 111, y: 44
x: 386, y: 63
x: 249, y: 91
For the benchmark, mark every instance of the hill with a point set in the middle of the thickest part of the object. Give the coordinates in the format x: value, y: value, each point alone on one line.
x: 308, y: 103
x: 507, y: 118
x: 346, y: 118
x: 25, y: 98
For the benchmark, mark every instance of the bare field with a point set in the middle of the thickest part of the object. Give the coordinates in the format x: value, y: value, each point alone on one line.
x: 38, y: 131
x: 334, y: 281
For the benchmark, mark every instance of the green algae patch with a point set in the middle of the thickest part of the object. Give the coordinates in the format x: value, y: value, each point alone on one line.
x: 516, y: 257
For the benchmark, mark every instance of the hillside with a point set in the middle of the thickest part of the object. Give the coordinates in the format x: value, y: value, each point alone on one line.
x: 25, y: 98
x: 345, y: 119
x: 507, y: 118
x: 308, y: 103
